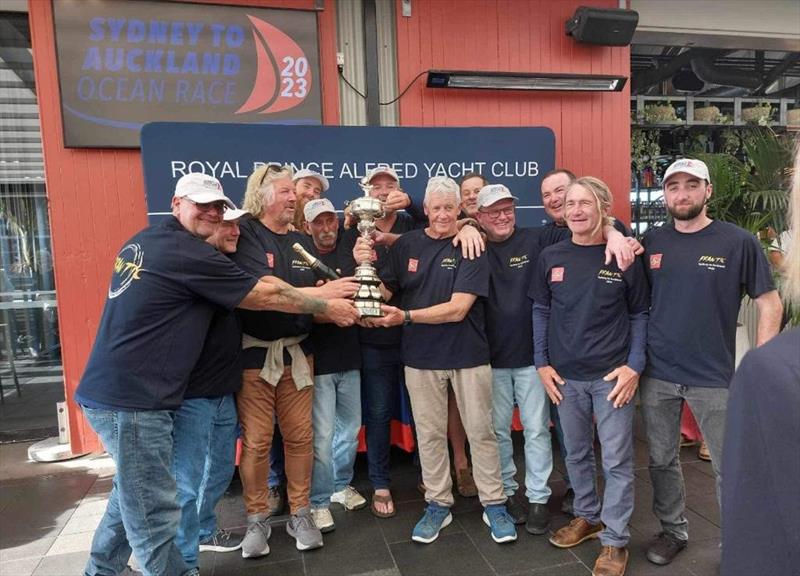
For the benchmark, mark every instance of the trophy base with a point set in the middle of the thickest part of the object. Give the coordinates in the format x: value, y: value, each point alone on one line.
x: 369, y: 308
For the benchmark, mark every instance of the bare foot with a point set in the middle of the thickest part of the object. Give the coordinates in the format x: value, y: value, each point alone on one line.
x: 384, y: 504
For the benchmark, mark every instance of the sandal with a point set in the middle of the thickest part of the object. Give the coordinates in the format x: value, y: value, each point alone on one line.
x: 381, y: 499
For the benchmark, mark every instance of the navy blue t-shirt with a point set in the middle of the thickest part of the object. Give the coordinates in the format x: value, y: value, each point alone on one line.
x: 262, y: 252
x: 337, y: 349
x: 387, y: 337
x: 164, y: 289
x: 512, y: 264
x: 590, y: 303
x: 428, y: 272
x: 218, y: 372
x: 697, y: 281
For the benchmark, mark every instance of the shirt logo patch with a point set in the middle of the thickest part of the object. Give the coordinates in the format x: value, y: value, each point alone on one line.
x: 609, y: 276
x: 518, y: 261
x: 557, y: 274
x: 270, y: 259
x: 127, y: 268
x: 655, y: 261
x: 449, y: 263
x: 412, y: 264
x: 712, y: 262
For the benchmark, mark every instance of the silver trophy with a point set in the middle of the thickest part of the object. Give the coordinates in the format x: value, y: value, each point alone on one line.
x: 368, y: 299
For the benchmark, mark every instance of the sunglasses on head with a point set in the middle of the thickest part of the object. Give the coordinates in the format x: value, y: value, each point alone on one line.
x: 272, y: 168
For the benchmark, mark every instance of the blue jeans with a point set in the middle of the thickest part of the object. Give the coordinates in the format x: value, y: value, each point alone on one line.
x: 142, y: 513
x: 662, y: 403
x: 524, y: 386
x: 582, y: 399
x: 337, y: 419
x: 559, y: 432
x: 205, y: 456
x: 381, y: 377
x: 277, y: 469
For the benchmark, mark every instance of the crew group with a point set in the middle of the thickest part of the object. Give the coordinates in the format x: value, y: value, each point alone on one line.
x: 213, y: 318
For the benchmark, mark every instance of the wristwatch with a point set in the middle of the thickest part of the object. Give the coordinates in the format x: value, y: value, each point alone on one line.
x: 406, y: 317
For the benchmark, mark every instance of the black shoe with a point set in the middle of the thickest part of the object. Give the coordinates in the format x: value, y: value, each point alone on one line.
x: 664, y: 548
x: 538, y: 519
x: 276, y: 501
x: 516, y: 510
x: 567, y: 502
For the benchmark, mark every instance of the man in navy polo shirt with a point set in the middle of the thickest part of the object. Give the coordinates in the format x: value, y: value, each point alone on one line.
x: 512, y: 254
x: 698, y: 270
x: 167, y: 282
x: 444, y: 343
x: 206, y: 424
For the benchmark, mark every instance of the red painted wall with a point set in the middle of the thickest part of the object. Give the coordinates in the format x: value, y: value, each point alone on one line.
x: 96, y: 197
x: 592, y: 129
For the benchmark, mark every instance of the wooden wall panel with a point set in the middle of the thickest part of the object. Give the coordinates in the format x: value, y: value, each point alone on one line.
x: 592, y: 129
x: 96, y: 197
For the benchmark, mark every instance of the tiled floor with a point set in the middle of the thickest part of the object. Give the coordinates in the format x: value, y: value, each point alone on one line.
x: 48, y: 514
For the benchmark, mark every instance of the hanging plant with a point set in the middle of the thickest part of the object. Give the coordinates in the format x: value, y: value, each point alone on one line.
x: 645, y: 149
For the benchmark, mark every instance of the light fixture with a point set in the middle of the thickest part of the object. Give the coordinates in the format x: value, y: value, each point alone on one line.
x: 524, y: 81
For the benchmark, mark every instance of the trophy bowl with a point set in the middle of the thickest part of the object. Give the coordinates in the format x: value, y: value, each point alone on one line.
x: 368, y: 299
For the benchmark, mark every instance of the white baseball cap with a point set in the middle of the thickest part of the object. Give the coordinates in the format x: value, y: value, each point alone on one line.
x: 381, y: 170
x: 232, y: 214
x: 202, y: 189
x: 306, y: 173
x: 314, y: 208
x: 691, y: 166
x: 492, y: 193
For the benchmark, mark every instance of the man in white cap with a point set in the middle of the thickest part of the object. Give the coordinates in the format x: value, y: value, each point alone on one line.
x: 336, y: 412
x: 308, y: 185
x: 698, y: 270
x: 166, y: 284
x: 205, y: 425
x: 513, y: 253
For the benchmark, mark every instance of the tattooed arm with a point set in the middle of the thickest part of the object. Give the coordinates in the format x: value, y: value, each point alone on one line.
x: 271, y: 293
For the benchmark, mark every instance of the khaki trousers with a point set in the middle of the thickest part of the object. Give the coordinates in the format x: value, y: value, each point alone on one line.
x: 473, y: 392
x: 257, y: 403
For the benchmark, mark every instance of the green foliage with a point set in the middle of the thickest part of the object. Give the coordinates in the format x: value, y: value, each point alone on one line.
x: 751, y: 193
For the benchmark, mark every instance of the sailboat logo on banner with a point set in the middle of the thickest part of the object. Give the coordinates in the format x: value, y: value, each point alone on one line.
x: 283, y: 78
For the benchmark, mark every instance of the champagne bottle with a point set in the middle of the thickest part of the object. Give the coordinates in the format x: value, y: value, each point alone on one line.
x: 322, y: 271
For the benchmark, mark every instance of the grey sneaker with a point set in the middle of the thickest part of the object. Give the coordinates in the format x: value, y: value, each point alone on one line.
x: 256, y: 540
x: 301, y: 527
x: 221, y: 541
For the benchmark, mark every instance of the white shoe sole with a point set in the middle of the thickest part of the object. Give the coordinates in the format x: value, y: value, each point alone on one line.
x: 445, y: 523
x: 223, y: 549
x: 504, y: 539
x: 259, y: 554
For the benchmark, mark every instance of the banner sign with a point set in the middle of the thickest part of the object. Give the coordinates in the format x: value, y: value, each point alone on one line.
x: 516, y: 157
x: 122, y: 64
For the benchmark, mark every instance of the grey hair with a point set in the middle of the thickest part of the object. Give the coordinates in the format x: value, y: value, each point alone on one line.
x: 442, y: 185
x: 261, y: 187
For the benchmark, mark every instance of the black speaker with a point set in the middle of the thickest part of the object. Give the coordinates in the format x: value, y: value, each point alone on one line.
x: 604, y: 26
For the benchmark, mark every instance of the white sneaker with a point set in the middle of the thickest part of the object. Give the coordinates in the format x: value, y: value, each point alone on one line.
x: 349, y: 498
x: 323, y: 519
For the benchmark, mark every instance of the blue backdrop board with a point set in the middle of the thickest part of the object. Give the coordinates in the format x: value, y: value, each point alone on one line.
x: 516, y: 157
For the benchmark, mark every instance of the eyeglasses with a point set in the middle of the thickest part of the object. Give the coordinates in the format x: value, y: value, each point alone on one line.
x: 273, y: 168
x: 220, y: 207
x: 495, y: 214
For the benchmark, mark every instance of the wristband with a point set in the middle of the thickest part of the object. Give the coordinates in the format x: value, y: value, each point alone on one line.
x: 406, y: 317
